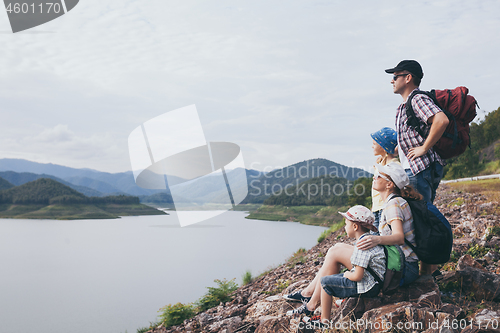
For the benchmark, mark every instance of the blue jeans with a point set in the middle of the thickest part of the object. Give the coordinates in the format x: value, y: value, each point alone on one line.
x: 411, y: 272
x: 426, y: 182
x: 376, y: 222
x: 339, y: 286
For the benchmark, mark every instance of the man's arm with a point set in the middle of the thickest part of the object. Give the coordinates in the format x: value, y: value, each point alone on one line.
x: 439, y: 122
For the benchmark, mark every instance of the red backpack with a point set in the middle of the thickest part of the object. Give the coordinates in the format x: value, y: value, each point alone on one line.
x: 459, y: 107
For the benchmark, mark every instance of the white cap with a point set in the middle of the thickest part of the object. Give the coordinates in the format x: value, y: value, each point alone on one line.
x: 361, y: 215
x: 396, y: 172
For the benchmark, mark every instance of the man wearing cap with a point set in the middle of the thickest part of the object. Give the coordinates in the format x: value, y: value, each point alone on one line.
x: 422, y: 164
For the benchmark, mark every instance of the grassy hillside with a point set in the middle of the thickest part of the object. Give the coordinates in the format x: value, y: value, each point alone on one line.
x: 316, y: 201
x: 311, y: 215
x: 488, y: 187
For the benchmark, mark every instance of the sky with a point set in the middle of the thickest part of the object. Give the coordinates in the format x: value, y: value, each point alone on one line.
x: 286, y: 81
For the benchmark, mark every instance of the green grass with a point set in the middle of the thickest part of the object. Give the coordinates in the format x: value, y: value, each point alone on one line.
x: 246, y: 207
x: 332, y: 229
x: 278, y: 287
x: 312, y: 215
x: 247, y: 278
x: 491, y: 168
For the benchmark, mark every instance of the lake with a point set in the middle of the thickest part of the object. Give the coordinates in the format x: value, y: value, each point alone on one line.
x: 112, y: 276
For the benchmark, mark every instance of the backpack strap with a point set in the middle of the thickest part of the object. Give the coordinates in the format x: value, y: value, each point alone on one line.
x: 372, y: 272
x: 413, y: 121
x: 375, y: 276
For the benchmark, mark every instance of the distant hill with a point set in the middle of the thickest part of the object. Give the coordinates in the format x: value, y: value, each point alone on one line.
x: 204, y: 189
x: 4, y: 184
x: 210, y: 189
x: 17, y: 179
x: 261, y: 188
x: 325, y: 191
x: 94, y: 184
x: 40, y: 191
x: 47, y: 198
x: 105, y: 182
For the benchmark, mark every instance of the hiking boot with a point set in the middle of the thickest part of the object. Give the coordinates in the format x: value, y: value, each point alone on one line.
x: 300, y: 310
x: 297, y: 297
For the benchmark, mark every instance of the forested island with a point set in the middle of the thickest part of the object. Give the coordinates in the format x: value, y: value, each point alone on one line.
x: 46, y: 198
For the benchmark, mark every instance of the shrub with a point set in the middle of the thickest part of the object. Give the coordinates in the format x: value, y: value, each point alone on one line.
x: 493, y: 231
x: 330, y: 230
x: 297, y: 257
x: 247, y: 278
x: 477, y: 251
x: 217, y: 295
x: 279, y: 286
x: 175, y: 314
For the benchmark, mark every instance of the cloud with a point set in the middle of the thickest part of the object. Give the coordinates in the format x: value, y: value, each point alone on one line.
x: 60, y: 145
x: 301, y: 74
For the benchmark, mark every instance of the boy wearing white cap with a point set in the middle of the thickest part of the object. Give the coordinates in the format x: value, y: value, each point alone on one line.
x: 358, y: 281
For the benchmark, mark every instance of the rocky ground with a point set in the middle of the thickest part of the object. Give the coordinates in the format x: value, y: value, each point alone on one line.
x: 465, y: 298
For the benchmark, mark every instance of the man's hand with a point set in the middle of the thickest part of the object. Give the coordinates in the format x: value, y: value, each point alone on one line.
x: 416, y: 152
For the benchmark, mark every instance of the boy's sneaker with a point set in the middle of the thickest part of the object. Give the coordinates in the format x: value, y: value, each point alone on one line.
x: 339, y: 302
x: 315, y: 322
x: 300, y: 310
x: 297, y: 297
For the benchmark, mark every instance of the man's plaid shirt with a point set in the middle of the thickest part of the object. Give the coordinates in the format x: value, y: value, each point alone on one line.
x: 408, y: 138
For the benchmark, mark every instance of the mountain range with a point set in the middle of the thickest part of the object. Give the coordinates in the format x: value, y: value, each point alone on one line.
x: 205, y: 189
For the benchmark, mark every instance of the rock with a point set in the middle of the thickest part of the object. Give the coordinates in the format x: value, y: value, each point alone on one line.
x: 475, y: 283
x: 483, y: 284
x: 355, y: 307
x: 495, y: 240
x: 413, y: 292
x: 405, y: 317
x: 491, y: 257
x: 275, y: 325
x: 454, y: 310
x: 430, y: 300
x: 468, y: 261
x: 247, y: 326
x: 203, y: 318
x: 229, y: 324
x: 488, y: 319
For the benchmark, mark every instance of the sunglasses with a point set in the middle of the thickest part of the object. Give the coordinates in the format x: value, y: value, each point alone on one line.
x: 378, y: 175
x: 395, y: 77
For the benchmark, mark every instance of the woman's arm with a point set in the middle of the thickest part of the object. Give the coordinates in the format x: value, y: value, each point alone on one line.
x: 396, y: 238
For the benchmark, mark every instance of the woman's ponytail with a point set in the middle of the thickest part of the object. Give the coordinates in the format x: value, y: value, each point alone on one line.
x: 408, y: 192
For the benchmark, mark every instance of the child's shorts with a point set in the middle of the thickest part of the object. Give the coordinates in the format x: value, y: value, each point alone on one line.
x: 339, y: 286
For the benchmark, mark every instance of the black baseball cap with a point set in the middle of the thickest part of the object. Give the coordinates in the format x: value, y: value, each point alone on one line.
x: 411, y: 66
